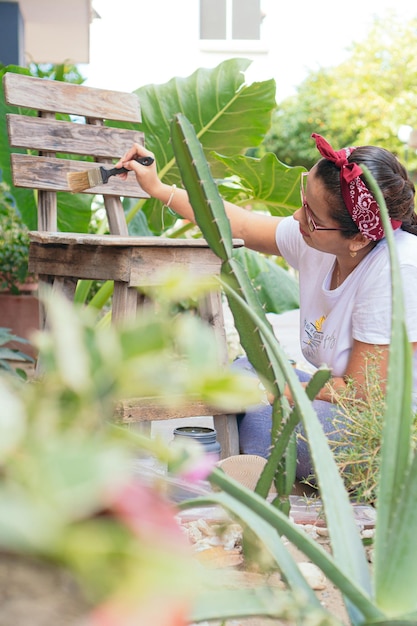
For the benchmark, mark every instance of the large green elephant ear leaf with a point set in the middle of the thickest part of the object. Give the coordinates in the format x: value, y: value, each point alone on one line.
x: 24, y: 198
x: 74, y: 212
x: 265, y: 181
x: 276, y: 288
x: 228, y: 116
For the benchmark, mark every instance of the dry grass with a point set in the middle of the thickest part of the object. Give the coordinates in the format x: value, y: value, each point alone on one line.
x: 359, y: 433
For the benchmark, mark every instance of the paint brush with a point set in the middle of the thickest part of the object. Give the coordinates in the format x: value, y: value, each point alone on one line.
x: 79, y: 181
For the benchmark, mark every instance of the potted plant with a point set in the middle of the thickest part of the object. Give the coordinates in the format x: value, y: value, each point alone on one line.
x: 19, y: 307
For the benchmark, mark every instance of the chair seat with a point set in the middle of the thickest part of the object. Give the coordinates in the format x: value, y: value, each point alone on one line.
x: 136, y: 261
x: 47, y: 237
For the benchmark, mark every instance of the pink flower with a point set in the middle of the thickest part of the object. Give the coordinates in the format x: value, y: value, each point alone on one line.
x: 171, y: 613
x: 147, y: 514
x: 199, y: 467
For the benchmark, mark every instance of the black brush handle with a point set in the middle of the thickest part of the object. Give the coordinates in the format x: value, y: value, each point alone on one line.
x: 105, y: 174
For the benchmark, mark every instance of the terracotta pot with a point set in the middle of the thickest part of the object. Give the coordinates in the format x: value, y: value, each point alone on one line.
x: 20, y: 313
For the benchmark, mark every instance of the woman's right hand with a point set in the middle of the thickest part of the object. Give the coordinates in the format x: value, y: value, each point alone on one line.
x: 146, y: 175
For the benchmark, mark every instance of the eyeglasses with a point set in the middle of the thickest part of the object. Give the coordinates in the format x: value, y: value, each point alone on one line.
x: 312, y: 226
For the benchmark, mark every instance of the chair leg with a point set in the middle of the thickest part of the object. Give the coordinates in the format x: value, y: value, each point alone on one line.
x: 124, y: 302
x: 59, y: 284
x: 227, y: 434
x: 211, y: 310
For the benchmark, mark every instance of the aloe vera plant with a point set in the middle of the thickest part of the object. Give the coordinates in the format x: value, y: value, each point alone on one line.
x: 387, y: 595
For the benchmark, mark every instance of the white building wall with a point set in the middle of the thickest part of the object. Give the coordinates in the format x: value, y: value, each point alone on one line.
x: 151, y: 42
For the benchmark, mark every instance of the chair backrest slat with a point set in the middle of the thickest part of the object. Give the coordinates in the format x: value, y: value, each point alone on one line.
x: 36, y: 133
x: 50, y: 173
x: 59, y: 97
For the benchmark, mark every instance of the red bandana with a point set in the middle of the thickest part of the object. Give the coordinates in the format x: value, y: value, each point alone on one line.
x: 359, y: 201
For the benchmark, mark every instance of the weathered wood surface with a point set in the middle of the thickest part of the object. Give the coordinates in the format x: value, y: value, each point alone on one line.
x: 134, y: 260
x: 38, y: 133
x: 116, y: 240
x: 50, y: 173
x: 149, y: 409
x: 57, y: 96
x: 226, y: 428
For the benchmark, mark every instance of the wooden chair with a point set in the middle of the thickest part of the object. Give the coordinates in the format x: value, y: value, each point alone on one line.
x: 61, y: 258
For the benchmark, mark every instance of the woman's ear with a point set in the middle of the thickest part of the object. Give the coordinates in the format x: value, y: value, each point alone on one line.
x: 357, y: 243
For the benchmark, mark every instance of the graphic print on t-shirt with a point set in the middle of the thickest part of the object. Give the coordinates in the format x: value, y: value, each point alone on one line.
x: 313, y: 337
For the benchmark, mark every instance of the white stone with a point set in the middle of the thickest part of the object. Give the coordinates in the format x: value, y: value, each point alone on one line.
x: 313, y: 575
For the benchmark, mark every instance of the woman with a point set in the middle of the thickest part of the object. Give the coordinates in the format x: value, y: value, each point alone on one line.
x: 336, y: 242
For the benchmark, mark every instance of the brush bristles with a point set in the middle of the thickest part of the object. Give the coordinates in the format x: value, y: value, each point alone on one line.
x: 79, y: 181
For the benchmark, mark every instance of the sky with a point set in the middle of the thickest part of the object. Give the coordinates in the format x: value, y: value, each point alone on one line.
x: 126, y: 53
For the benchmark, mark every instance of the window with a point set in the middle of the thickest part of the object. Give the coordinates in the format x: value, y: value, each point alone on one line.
x: 230, y: 19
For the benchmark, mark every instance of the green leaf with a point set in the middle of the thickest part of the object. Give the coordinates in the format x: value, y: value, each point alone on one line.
x: 14, y: 355
x: 12, y: 420
x: 24, y: 198
x: 227, y: 114
x: 241, y: 295
x: 266, y: 181
x: 246, y: 504
x: 138, y: 226
x: 276, y: 288
x: 259, y: 601
x: 74, y: 212
x: 345, y: 539
x: 395, y: 552
x: 395, y: 622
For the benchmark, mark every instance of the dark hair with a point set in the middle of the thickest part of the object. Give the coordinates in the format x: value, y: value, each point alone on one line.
x: 392, y: 178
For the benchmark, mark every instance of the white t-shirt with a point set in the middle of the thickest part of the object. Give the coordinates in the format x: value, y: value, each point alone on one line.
x: 360, y: 308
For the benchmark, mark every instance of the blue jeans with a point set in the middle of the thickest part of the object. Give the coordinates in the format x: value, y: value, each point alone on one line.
x: 255, y: 425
